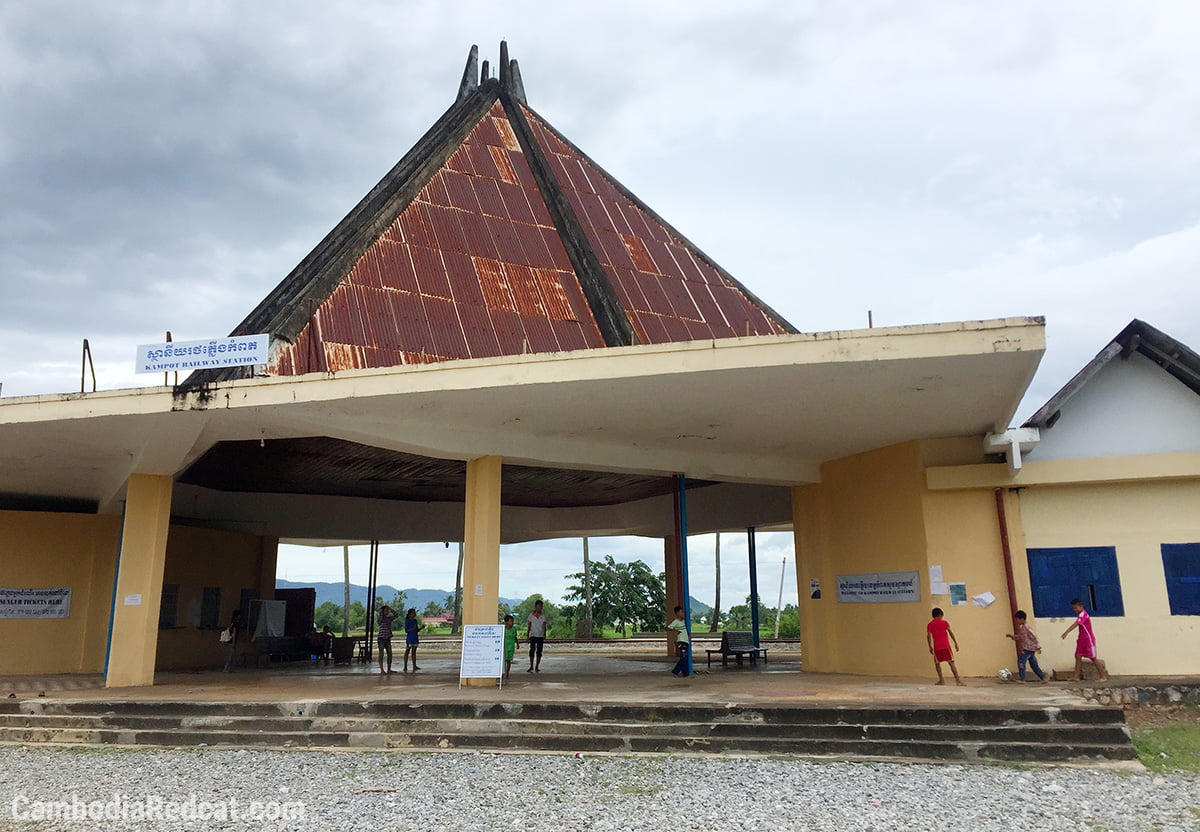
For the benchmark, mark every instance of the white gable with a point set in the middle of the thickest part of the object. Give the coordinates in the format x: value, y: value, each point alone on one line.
x: 1131, y: 406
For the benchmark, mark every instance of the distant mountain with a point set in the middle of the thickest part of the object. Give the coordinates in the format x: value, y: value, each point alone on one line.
x: 335, y: 592
x: 418, y: 598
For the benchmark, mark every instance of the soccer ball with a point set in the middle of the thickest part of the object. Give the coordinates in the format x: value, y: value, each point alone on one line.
x: 1004, y: 674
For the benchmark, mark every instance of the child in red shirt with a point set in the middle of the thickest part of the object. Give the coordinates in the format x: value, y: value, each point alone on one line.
x: 939, y: 635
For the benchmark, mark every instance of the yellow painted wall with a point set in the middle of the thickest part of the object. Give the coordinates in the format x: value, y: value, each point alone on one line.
x: 47, y: 549
x: 873, y: 513
x: 864, y: 516
x: 1136, y: 518
x: 963, y: 535
x: 199, y: 558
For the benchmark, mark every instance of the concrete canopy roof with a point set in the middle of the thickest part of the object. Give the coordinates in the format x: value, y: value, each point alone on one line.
x: 753, y: 414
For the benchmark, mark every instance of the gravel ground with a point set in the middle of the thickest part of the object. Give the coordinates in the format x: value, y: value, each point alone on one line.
x: 313, y: 791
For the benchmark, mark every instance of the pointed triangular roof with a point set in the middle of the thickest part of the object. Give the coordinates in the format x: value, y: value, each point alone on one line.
x: 1175, y: 358
x: 495, y: 235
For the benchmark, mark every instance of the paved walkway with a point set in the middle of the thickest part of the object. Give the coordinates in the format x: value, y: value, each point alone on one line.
x: 569, y: 674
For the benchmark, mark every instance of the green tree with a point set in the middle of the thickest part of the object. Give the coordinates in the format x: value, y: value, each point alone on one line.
x: 623, y: 594
x: 399, y: 602
x: 738, y: 618
x: 328, y: 615
x: 432, y: 609
x: 358, y: 615
x: 521, y: 613
x: 562, y: 625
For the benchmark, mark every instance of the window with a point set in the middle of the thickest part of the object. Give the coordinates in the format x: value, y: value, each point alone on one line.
x: 1086, y: 572
x: 168, y: 609
x: 210, y: 608
x: 1181, y: 566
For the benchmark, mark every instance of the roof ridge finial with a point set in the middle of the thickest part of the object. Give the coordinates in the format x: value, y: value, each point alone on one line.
x: 470, y: 78
x: 515, y: 83
x: 485, y: 73
x: 503, y: 68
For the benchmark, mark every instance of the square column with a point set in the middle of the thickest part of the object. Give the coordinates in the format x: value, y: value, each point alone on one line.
x: 481, y: 546
x: 143, y: 554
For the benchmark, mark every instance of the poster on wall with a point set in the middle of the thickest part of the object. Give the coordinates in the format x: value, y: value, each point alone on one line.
x: 958, y: 594
x: 879, y: 588
x: 52, y: 602
x: 814, y: 589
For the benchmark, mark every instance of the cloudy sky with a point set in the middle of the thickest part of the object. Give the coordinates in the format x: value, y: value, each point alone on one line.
x: 163, y: 166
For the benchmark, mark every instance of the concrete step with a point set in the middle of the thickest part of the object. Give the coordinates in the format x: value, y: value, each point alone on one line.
x: 1046, y: 733
x: 804, y: 746
x: 1038, y: 734
x: 857, y: 714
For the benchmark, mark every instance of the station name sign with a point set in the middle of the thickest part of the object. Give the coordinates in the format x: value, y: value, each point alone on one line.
x: 54, y: 602
x: 233, y: 351
x: 879, y: 588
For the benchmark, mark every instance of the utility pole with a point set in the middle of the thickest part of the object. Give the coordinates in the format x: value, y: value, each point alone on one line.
x: 346, y: 585
x: 456, y: 624
x: 716, y: 610
x: 587, y: 589
x: 779, y: 603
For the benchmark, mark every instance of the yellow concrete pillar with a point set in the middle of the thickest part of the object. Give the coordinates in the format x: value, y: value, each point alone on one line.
x: 139, y: 581
x: 817, y: 635
x: 481, y: 546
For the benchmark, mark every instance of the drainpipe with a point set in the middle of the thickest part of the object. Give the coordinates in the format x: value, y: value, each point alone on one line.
x: 1002, y: 517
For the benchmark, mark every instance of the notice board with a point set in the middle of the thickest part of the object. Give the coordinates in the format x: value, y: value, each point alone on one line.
x: 482, y: 652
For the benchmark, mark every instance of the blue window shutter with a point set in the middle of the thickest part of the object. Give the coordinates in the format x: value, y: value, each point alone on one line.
x: 1089, y: 573
x: 1181, y: 566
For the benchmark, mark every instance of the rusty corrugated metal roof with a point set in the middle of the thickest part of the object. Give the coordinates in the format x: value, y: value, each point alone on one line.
x: 465, y: 271
x: 670, y: 291
x: 495, y: 235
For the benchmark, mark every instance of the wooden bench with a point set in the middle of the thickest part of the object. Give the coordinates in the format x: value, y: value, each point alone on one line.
x: 737, y: 644
x: 281, y: 649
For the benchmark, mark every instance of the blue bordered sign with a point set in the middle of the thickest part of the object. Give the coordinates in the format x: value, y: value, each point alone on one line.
x: 232, y: 351
x: 879, y: 588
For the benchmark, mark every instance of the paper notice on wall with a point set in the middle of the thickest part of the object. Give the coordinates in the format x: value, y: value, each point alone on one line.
x: 814, y: 589
x: 939, y: 588
x: 935, y: 575
x: 133, y: 600
x: 958, y: 594
x: 983, y: 599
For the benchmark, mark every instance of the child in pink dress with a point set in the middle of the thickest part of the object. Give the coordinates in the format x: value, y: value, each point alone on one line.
x: 1085, y: 643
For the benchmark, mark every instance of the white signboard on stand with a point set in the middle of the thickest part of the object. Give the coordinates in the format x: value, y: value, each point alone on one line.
x: 482, y: 653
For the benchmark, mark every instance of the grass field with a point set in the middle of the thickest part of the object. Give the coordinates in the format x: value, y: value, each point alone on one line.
x: 1167, y: 739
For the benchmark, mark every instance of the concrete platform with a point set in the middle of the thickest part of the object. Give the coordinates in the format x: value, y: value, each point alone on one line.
x: 570, y: 674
